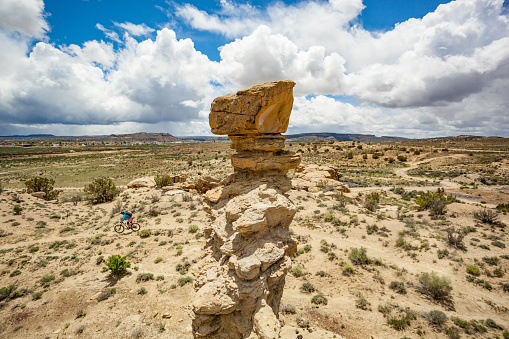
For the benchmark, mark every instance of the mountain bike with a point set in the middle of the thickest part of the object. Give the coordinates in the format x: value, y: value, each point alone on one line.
x: 121, y: 226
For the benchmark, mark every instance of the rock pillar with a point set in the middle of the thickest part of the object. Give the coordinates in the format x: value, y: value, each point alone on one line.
x: 240, y: 280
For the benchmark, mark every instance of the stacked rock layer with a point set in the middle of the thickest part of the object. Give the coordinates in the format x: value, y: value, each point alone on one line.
x: 240, y: 280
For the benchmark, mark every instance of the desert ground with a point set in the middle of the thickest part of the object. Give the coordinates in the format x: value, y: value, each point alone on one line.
x: 359, y: 273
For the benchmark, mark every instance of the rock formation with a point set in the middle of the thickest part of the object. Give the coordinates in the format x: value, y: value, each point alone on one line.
x: 313, y: 178
x: 142, y: 182
x: 240, y: 280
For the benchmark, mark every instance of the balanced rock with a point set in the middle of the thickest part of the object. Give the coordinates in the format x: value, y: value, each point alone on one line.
x: 239, y: 283
x: 313, y: 178
x: 262, y: 108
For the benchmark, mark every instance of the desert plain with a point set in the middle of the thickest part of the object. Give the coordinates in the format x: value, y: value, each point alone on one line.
x: 363, y: 262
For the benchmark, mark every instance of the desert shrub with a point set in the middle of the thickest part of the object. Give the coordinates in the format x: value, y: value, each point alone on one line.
x: 358, y: 256
x: 498, y: 244
x: 402, y: 321
x: 101, y: 190
x: 491, y: 323
x: 42, y: 184
x: 437, y: 207
x: 307, y: 287
x: 402, y: 158
x: 437, y: 288
x: 452, y: 332
x: 184, y: 280
x: 486, y: 216
x: 287, y: 309
x: 319, y: 299
x: 362, y: 303
x: 437, y: 318
x: 163, y: 180
x: 15, y: 273
x: 142, y: 290
x: 348, y: 270
x: 473, y: 270
x: 504, y: 208
x: 297, y: 271
x: 455, y: 239
x: 17, y: 210
x: 442, y: 253
x: 398, y: 287
x: 158, y: 260
x: 425, y: 200
x: 106, y: 294
x: 193, y: 228
x: 117, y: 265
x: 47, y: 278
x: 491, y: 260
x: 144, y: 277
x: 37, y: 295
x: 80, y: 313
x: 145, y: 233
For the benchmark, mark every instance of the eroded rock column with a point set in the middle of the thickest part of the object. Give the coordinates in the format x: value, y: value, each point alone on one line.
x: 241, y: 277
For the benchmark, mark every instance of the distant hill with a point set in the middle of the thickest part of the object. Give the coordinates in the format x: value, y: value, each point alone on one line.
x: 28, y: 136
x: 312, y: 137
x: 166, y: 137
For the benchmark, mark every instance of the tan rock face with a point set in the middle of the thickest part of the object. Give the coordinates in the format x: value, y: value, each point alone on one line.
x: 312, y: 178
x: 239, y: 283
x: 262, y: 108
x: 142, y: 182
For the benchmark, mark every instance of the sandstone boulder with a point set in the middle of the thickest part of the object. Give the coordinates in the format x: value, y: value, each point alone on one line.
x: 142, y: 182
x: 313, y: 178
x: 206, y: 183
x: 39, y: 195
x: 261, y: 108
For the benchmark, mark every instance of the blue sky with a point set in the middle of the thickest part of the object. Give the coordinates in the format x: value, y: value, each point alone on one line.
x: 403, y: 68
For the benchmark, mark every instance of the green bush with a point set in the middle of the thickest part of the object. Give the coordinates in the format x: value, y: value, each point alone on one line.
x: 193, y: 228
x: 398, y: 287
x: 430, y: 199
x: 437, y: 318
x: 473, y: 270
x: 297, y: 271
x: 319, y: 299
x: 17, y: 210
x: 117, y: 265
x: 145, y: 233
x: 437, y: 288
x: 163, y: 180
x: 184, y: 280
x: 144, y: 277
x: 358, y: 256
x: 101, y: 190
x: 307, y: 287
x: 42, y: 184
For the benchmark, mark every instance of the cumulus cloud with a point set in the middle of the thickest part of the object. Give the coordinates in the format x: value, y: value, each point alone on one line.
x: 427, y: 76
x: 24, y: 17
x: 135, y: 30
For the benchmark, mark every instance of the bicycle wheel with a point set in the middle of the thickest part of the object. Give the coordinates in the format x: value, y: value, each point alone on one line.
x: 135, y: 227
x: 119, y: 228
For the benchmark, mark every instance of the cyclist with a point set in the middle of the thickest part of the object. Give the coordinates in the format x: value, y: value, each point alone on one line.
x: 129, y: 217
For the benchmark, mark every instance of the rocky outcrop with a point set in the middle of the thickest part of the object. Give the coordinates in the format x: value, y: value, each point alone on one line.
x: 314, y: 178
x: 206, y: 183
x: 142, y: 182
x: 240, y: 280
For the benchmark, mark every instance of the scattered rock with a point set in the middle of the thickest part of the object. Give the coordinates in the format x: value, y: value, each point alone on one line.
x: 142, y: 182
x: 206, y: 183
x: 39, y: 195
x: 313, y: 178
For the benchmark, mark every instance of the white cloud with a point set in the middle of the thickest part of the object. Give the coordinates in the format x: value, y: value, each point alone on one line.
x: 135, y: 30
x: 25, y: 17
x: 426, y: 77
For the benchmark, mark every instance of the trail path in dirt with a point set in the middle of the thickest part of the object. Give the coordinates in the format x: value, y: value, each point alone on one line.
x: 446, y: 183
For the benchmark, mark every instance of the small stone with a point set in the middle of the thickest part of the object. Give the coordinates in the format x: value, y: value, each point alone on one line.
x: 166, y: 315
